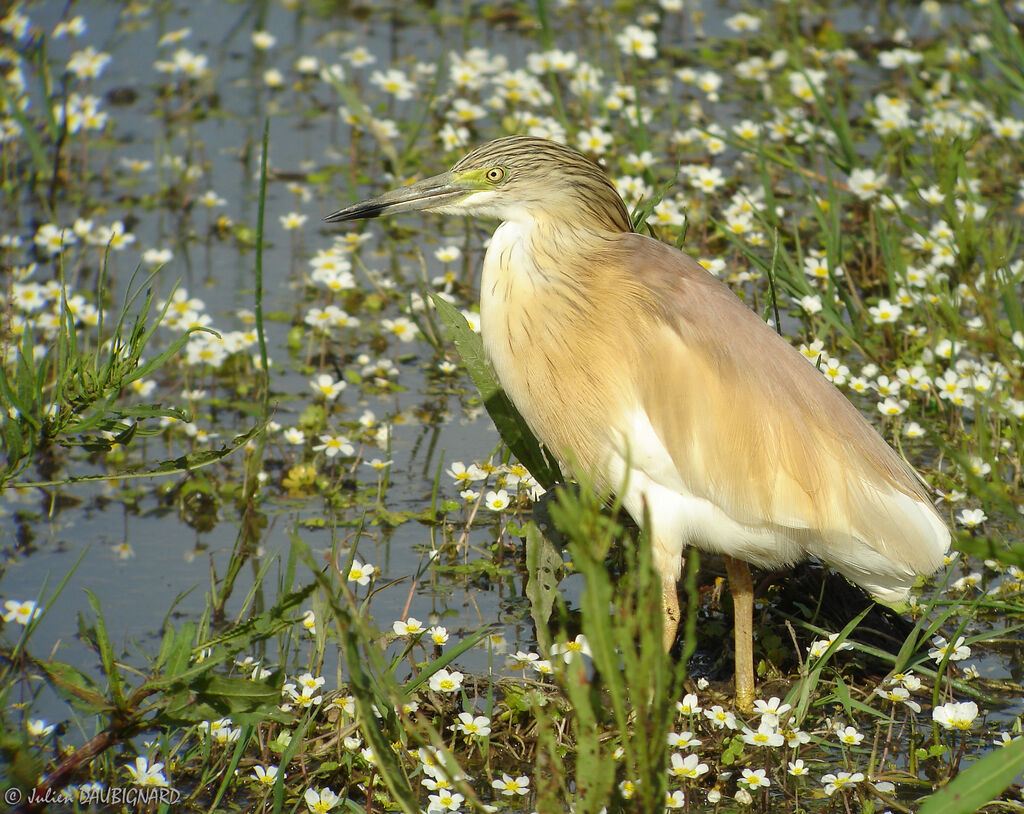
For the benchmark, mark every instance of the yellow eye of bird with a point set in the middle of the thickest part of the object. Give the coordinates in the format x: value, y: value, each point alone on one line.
x: 495, y: 174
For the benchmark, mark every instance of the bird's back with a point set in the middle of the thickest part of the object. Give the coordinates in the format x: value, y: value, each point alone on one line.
x: 759, y: 433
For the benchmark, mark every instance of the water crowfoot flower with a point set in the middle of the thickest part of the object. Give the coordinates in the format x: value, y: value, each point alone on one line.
x: 521, y: 660
x: 958, y: 651
x: 38, y: 728
x: 636, y: 40
x: 497, y: 501
x: 20, y: 612
x: 510, y: 786
x: 754, y: 779
x: 766, y: 736
x: 690, y: 705
x: 771, y: 711
x: 333, y: 445
x: 325, y: 386
x: 866, y: 183
x: 971, y: 518
x: 543, y: 667
x: 445, y: 681
x: 445, y: 801
x: 469, y: 725
x: 145, y: 774
x: 410, y: 627
x: 719, y: 718
x: 683, y: 740
x: 849, y: 735
x: 955, y: 715
x: 264, y: 775
x: 292, y: 220
x: 438, y: 635
x: 567, y: 650
x: 360, y: 573
x: 320, y: 801
x: 817, y: 648
x: 898, y: 695
x: 689, y: 768
x: 838, y: 781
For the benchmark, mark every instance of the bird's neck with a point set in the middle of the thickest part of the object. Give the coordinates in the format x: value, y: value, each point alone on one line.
x: 545, y: 249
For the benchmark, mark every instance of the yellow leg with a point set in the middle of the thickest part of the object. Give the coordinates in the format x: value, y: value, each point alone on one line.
x: 670, y: 617
x: 742, y: 590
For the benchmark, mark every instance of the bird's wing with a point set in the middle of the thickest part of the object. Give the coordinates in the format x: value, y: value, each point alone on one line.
x: 756, y: 430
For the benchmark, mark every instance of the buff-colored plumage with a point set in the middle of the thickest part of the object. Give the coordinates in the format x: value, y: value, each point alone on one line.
x: 635, y: 365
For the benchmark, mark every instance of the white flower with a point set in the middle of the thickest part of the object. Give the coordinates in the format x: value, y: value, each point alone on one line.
x: 20, y: 612
x: 898, y: 695
x: 438, y: 635
x: 320, y: 802
x: 324, y: 385
x: 509, y: 785
x: 38, y: 728
x: 866, y: 183
x: 334, y: 445
x: 522, y: 660
x: 720, y: 718
x: 955, y: 715
x: 410, y: 627
x: 479, y: 725
x: 797, y: 768
x: 445, y: 681
x: 743, y: 22
x: 635, y: 40
x: 971, y: 518
x: 360, y: 573
x: 145, y: 774
x: 567, y: 650
x: 690, y: 705
x: 771, y: 710
x: 766, y: 735
x: 849, y: 735
x: 444, y: 800
x: 497, y: 501
x: 835, y: 782
x: 885, y: 312
x: 689, y: 768
x: 265, y: 776
x: 542, y: 666
x: 957, y: 651
x: 817, y: 648
x: 755, y: 779
x: 682, y: 740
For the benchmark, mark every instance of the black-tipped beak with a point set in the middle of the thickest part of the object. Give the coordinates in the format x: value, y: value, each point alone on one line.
x: 430, y: 193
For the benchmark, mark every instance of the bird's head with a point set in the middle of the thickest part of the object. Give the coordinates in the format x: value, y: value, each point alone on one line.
x: 517, y: 178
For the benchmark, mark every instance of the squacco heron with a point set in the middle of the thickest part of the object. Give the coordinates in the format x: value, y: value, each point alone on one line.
x: 638, y: 367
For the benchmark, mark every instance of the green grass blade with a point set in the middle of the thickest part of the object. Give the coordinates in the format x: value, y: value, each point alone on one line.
x: 979, y: 783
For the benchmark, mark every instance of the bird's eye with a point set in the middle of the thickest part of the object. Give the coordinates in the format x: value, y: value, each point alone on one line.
x: 495, y: 174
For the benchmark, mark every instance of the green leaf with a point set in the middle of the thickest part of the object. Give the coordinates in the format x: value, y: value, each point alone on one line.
x: 75, y: 687
x: 511, y: 425
x: 173, y: 466
x: 215, y: 696
x: 981, y: 782
x: 106, y: 653
x: 544, y: 568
